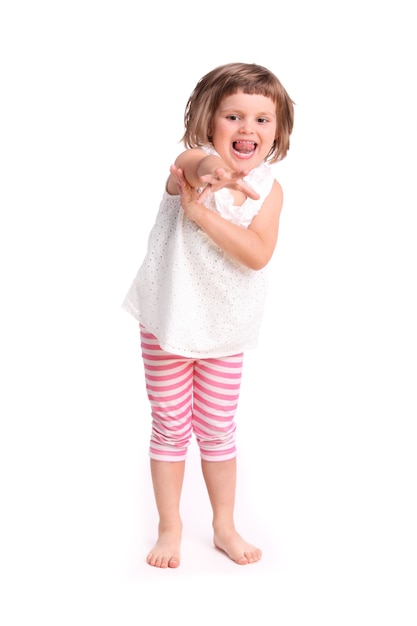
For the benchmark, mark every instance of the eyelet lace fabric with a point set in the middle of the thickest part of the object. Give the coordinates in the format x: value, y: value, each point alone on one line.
x: 194, y: 298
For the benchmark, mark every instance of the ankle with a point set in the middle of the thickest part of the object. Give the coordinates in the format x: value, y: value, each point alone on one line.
x: 223, y: 526
x: 171, y: 524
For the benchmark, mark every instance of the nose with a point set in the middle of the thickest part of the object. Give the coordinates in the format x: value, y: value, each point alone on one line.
x: 246, y: 126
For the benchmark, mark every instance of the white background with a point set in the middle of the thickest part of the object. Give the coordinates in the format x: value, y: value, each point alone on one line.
x: 92, y: 102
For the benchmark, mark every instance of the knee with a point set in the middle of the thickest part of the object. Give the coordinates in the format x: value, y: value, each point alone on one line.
x: 172, y: 436
x: 218, y: 445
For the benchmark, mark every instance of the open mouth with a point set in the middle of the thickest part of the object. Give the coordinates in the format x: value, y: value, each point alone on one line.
x: 244, y: 148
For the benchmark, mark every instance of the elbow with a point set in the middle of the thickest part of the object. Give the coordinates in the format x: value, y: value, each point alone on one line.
x: 258, y: 266
x: 258, y: 256
x: 258, y: 263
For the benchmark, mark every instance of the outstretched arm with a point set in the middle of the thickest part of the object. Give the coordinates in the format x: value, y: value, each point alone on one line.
x: 210, y: 172
x: 252, y: 246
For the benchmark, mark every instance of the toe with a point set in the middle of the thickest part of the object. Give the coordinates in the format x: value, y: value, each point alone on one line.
x: 242, y: 560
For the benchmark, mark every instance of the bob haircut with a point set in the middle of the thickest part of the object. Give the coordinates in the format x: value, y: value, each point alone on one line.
x: 225, y: 81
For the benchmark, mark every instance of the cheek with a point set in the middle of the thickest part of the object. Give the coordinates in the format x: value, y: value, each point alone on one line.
x: 274, y: 135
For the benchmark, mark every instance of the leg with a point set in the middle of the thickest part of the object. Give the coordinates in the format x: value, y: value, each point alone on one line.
x: 167, y: 479
x: 220, y: 478
x: 216, y: 393
x: 168, y: 384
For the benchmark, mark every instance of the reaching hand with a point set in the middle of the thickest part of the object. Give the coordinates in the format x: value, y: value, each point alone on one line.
x: 191, y: 199
x: 223, y: 177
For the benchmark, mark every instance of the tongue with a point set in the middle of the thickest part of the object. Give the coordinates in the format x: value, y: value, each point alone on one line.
x: 246, y: 147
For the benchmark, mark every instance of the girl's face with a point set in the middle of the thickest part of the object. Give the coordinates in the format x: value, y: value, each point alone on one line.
x: 243, y: 130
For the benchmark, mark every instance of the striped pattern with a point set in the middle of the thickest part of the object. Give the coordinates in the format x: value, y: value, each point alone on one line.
x: 189, y: 396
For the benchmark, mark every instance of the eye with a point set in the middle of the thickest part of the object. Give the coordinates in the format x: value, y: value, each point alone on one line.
x: 263, y: 120
x: 232, y: 117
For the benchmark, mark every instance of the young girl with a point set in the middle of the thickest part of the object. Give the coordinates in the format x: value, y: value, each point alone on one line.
x: 199, y: 293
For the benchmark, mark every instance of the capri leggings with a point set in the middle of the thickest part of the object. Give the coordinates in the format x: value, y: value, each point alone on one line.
x: 187, y: 396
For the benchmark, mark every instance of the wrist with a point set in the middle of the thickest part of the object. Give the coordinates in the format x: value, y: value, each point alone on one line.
x: 200, y: 212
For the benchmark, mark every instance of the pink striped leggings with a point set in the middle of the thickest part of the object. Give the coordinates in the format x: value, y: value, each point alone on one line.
x: 191, y: 395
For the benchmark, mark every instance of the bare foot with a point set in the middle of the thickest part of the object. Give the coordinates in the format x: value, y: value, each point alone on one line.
x: 237, y: 548
x: 166, y: 551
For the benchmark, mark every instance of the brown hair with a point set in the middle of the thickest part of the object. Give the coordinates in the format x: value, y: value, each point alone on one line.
x: 225, y: 81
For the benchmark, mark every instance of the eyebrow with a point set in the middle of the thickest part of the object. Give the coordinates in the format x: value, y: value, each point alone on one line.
x: 235, y: 110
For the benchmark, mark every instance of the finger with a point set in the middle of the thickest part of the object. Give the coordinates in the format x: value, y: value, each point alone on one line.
x: 184, y: 189
x: 251, y: 193
x: 177, y: 173
x: 209, y: 178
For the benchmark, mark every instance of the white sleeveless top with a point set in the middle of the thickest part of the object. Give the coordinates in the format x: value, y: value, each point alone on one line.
x: 198, y: 301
